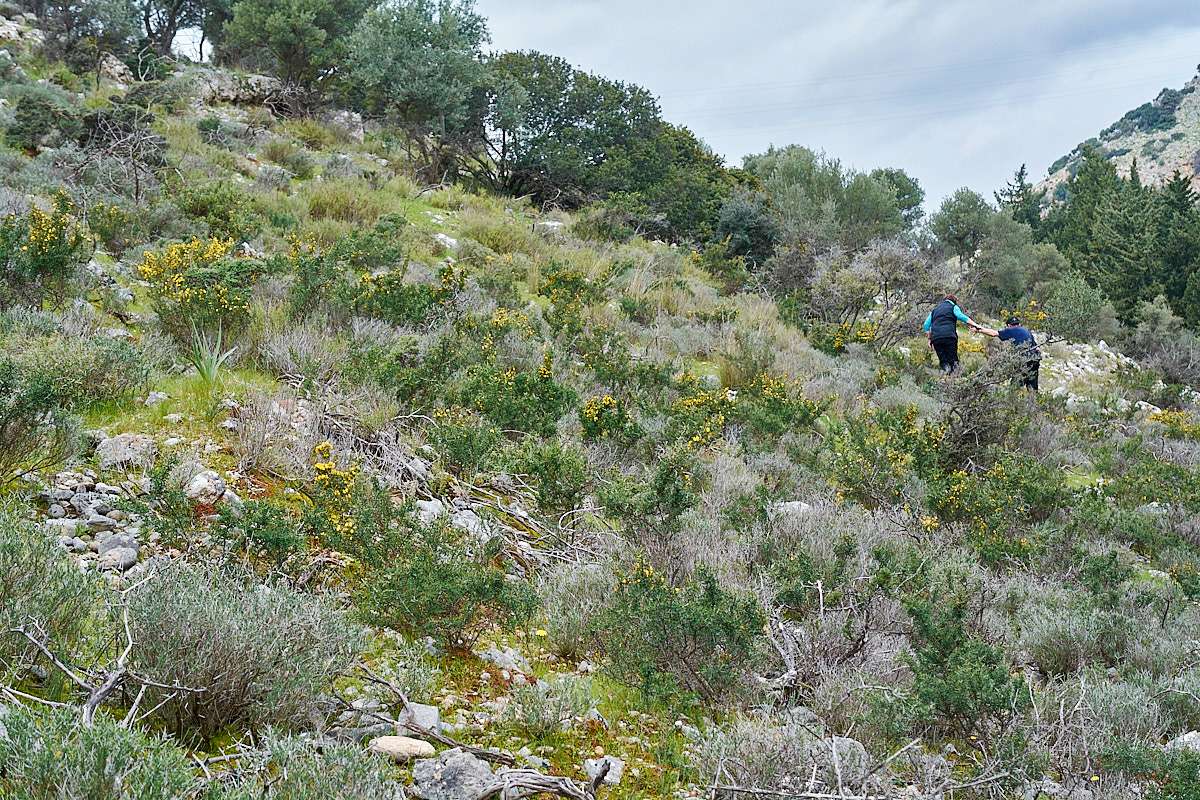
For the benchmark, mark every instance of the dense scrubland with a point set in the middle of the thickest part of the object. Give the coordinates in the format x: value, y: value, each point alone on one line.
x: 368, y: 385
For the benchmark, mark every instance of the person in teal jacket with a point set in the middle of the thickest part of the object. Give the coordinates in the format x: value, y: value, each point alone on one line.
x: 941, y: 329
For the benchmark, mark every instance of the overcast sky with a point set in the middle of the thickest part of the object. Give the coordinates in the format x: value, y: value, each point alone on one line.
x: 956, y: 92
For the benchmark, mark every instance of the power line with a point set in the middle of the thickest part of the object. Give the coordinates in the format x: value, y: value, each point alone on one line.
x: 824, y: 123
x: 851, y: 77
x: 832, y: 104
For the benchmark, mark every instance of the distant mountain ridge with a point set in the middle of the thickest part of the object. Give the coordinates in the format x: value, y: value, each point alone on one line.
x: 1163, y: 135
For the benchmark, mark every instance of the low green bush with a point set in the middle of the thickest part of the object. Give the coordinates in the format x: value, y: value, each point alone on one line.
x: 42, y: 115
x: 434, y: 585
x: 35, y: 430
x: 84, y: 372
x: 262, y: 528
x: 229, y: 212
x: 39, y: 587
x: 47, y: 754
x: 263, y: 655
x: 558, y: 474
x: 695, y: 640
x: 514, y: 400
x: 465, y: 441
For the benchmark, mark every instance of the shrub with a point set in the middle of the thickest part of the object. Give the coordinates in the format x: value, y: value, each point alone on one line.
x: 531, y: 402
x: 39, y: 586
x: 572, y: 596
x: 393, y: 298
x: 296, y: 768
x: 698, y: 640
x: 84, y: 372
x: 35, y: 432
x: 877, y: 457
x: 49, y: 755
x: 40, y: 255
x: 558, y: 474
x: 295, y: 160
x: 763, y: 752
x: 115, y: 227
x: 463, y: 440
x: 199, y: 285
x: 263, y: 528
x: 550, y: 706
x: 352, y: 201
x: 42, y: 115
x: 604, y: 417
x: 229, y: 213
x: 433, y: 585
x: 262, y: 654
x: 959, y: 680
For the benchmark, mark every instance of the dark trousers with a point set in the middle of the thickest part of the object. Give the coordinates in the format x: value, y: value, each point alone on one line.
x: 1029, y: 375
x: 947, y: 353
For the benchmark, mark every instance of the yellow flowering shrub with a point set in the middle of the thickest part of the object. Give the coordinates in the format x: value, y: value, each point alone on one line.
x: 1178, y: 423
x: 199, y: 283
x: 40, y: 254
x: 874, y: 457
x: 334, y: 489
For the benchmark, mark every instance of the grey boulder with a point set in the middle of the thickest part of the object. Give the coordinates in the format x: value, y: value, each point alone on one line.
x: 126, y: 450
x: 454, y: 775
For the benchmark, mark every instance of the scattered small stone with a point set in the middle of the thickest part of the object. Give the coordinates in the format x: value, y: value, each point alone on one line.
x: 401, y: 749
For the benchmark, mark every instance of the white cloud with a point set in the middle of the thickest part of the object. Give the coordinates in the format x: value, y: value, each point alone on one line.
x: 957, y: 92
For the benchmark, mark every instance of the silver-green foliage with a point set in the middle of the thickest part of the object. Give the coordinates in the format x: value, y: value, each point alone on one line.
x: 260, y: 654
x: 545, y: 707
x: 292, y: 768
x: 41, y: 590
x: 47, y: 754
x: 572, y: 596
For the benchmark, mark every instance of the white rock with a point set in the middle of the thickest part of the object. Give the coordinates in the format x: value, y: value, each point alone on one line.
x: 127, y: 449
x: 401, y: 749
x: 429, y: 510
x: 205, y: 488
x: 1188, y: 742
x: 119, y: 559
x: 155, y: 398
x: 446, y: 241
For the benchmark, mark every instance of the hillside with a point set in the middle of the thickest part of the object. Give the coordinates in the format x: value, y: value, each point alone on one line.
x: 1163, y: 136
x: 346, y: 455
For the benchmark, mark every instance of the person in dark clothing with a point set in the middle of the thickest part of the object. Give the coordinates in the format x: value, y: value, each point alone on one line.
x: 941, y: 328
x: 1022, y: 339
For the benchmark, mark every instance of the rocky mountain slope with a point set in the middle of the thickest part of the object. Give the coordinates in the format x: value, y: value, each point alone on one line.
x: 1163, y: 136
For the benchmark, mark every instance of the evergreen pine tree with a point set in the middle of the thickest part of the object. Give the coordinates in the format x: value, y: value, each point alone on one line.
x: 1020, y: 200
x: 1121, y: 246
x: 1177, y: 243
x: 1087, y: 191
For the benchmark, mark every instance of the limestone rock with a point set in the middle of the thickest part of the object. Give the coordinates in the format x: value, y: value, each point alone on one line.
x: 118, y: 559
x: 1187, y: 743
x: 453, y: 775
x: 422, y: 715
x: 401, y: 749
x: 205, y: 488
x: 616, y: 769
x: 126, y: 450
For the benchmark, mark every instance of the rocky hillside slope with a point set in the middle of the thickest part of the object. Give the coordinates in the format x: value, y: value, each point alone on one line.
x: 1162, y: 135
